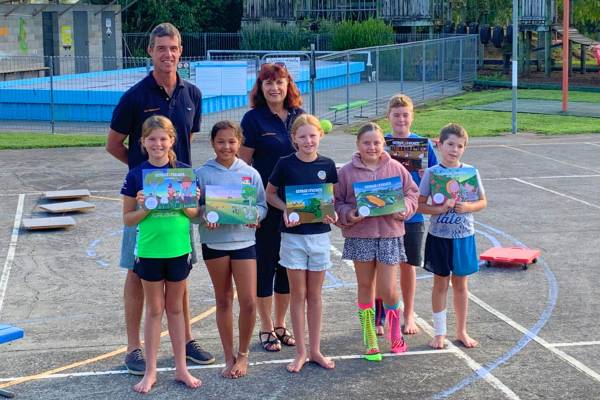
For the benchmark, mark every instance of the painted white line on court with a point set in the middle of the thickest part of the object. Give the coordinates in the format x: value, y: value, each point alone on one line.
x: 474, y: 365
x: 575, y: 344
x: 252, y: 364
x: 480, y: 146
x: 552, y: 159
x: 571, y: 360
x: 12, y: 246
x: 557, y: 193
x: 543, y: 177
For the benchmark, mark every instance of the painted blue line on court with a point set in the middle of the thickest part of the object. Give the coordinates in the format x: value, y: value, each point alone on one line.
x: 91, y: 249
x: 528, y: 337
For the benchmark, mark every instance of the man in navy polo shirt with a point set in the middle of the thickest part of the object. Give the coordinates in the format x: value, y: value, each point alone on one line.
x: 162, y: 92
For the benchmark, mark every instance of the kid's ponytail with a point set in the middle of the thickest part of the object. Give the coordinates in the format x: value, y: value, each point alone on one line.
x: 172, y: 159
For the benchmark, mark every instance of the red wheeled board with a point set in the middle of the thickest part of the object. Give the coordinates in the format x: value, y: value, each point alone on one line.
x: 510, y: 255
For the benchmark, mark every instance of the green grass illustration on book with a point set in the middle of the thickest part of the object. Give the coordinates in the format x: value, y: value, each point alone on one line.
x: 231, y: 204
x: 169, y: 188
x: 380, y: 197
x: 454, y: 183
x: 412, y: 153
x: 309, y: 203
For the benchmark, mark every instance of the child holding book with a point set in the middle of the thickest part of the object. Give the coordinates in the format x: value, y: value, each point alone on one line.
x: 375, y: 243
x: 450, y: 252
x: 305, y: 248
x: 163, y: 253
x: 229, y: 249
x: 400, y: 114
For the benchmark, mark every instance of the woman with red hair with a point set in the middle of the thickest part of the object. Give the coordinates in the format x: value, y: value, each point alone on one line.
x: 275, y: 103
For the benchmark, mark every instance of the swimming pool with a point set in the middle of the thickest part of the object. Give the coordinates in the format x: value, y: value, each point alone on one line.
x: 92, y: 96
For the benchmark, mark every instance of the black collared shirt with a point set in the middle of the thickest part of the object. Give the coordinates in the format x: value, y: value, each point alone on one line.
x: 269, y: 136
x: 147, y: 98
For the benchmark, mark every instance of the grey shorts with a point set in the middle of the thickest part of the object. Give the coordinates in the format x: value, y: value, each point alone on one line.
x: 305, y: 252
x: 414, y: 239
x: 128, y: 242
x: 385, y: 250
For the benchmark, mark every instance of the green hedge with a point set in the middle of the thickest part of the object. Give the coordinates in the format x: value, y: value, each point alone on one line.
x: 270, y: 35
x: 352, y: 35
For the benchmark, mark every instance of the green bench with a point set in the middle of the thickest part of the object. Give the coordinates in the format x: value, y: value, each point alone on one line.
x: 348, y: 106
x: 8, y: 334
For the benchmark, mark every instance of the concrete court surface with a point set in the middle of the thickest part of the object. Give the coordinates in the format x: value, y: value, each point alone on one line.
x: 538, y: 328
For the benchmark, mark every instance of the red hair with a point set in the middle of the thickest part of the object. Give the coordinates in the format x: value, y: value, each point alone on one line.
x: 293, y: 99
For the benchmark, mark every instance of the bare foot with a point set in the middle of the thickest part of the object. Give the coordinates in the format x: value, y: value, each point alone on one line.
x: 226, y: 372
x: 379, y: 330
x: 240, y: 369
x: 297, y: 364
x: 467, y: 340
x: 145, y: 384
x: 186, y: 378
x: 438, y: 342
x: 410, y: 327
x: 321, y: 360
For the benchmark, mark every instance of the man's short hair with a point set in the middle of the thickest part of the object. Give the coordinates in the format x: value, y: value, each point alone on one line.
x: 162, y: 30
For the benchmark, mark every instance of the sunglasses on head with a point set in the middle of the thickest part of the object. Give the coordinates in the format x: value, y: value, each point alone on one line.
x: 280, y: 64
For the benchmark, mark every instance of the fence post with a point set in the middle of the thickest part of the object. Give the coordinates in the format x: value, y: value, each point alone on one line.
x: 347, y: 88
x: 377, y: 52
x: 460, y: 62
x: 443, y: 64
x: 423, y: 72
x: 402, y: 68
x: 52, y: 94
x: 313, y: 78
x: 205, y: 44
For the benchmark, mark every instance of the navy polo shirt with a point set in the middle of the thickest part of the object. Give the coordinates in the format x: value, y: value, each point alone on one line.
x: 269, y: 136
x: 147, y: 98
x: 291, y: 171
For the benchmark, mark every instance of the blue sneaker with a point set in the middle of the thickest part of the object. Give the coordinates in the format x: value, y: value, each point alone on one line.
x: 195, y: 353
x: 135, y: 363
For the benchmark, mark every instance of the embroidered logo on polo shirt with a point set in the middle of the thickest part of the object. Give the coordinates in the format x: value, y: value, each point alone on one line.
x: 322, y: 175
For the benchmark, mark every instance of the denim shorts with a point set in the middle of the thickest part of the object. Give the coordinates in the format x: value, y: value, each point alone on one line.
x: 128, y: 243
x: 305, y: 252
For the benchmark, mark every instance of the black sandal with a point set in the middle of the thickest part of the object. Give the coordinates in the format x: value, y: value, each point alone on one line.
x: 271, y: 341
x: 285, y: 337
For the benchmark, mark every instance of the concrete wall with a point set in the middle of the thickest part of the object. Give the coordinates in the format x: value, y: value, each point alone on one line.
x: 21, y: 37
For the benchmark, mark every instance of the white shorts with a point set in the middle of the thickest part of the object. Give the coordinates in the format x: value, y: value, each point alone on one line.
x: 305, y: 252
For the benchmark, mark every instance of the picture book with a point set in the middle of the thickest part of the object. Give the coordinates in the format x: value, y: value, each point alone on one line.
x: 309, y: 203
x: 454, y: 183
x: 169, y: 188
x: 231, y: 204
x: 410, y: 152
x: 380, y: 197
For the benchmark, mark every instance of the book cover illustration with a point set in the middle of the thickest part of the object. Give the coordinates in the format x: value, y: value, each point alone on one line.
x: 231, y: 204
x: 309, y: 203
x: 380, y: 197
x: 412, y: 153
x: 459, y: 184
x: 169, y: 188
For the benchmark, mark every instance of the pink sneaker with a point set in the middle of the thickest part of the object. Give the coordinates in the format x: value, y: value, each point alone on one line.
x: 399, y: 346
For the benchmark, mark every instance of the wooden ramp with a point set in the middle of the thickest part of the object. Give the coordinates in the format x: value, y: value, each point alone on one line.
x: 48, y: 223
x: 68, y: 206
x: 575, y: 36
x: 67, y: 194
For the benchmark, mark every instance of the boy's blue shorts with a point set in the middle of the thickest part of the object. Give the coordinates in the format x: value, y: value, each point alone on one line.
x: 457, y: 256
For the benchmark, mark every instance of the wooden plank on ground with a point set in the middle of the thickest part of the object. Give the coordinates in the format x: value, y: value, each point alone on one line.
x: 48, y: 223
x: 68, y: 206
x: 67, y: 194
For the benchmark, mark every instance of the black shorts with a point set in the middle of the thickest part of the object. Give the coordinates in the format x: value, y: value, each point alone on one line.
x: 414, y: 239
x: 174, y: 269
x: 247, y: 253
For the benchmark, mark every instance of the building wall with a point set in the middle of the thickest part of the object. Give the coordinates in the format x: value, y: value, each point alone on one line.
x: 21, y: 35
